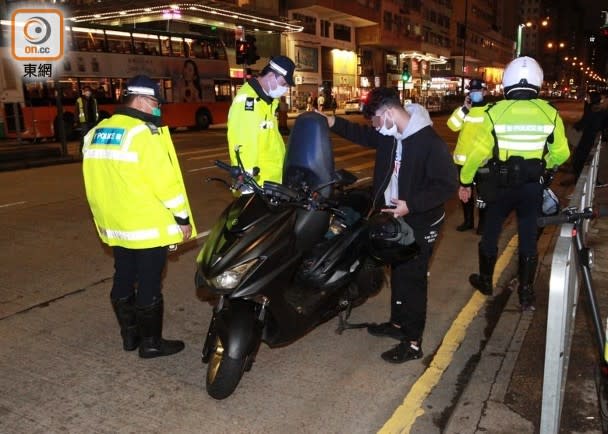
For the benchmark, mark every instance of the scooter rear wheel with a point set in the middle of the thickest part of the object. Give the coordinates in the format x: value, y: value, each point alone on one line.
x: 223, y: 372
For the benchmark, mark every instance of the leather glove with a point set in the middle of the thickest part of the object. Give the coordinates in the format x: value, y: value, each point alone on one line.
x: 548, y: 176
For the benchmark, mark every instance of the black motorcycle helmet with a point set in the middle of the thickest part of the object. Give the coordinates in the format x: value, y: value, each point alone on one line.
x: 391, y: 239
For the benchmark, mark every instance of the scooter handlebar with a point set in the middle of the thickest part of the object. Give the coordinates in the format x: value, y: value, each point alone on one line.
x: 572, y: 215
x: 553, y: 220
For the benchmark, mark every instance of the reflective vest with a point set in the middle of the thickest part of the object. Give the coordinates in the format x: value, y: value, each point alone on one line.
x: 82, y: 116
x: 522, y: 128
x: 466, y: 122
x: 456, y: 121
x: 134, y: 184
x: 253, y: 126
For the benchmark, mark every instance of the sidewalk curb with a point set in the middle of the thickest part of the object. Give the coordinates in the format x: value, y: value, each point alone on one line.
x: 481, y: 406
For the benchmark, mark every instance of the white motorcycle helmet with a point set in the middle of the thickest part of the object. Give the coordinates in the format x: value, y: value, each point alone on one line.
x: 523, y: 73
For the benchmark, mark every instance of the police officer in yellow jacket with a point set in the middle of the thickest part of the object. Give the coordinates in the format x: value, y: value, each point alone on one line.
x: 252, y: 120
x: 521, y: 137
x: 464, y: 120
x: 88, y: 113
x: 137, y: 196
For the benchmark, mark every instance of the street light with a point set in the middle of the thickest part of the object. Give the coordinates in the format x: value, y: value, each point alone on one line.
x: 557, y: 46
x: 520, y: 32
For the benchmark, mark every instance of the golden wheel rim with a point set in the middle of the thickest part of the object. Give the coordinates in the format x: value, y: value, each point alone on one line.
x: 216, y: 360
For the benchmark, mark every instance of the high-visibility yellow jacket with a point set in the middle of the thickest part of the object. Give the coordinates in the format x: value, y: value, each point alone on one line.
x: 134, y: 184
x: 522, y: 128
x: 253, y: 127
x: 465, y: 121
x: 80, y: 105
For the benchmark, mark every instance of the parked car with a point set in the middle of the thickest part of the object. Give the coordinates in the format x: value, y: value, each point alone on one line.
x: 353, y: 106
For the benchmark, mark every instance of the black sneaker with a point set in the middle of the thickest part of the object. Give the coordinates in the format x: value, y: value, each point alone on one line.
x: 403, y: 352
x: 386, y: 329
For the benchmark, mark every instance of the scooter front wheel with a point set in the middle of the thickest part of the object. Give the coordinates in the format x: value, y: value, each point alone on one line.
x: 223, y: 372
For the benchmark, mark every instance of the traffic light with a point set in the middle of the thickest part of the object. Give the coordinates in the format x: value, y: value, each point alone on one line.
x: 604, y: 28
x: 252, y: 50
x: 406, y: 75
x: 241, y: 48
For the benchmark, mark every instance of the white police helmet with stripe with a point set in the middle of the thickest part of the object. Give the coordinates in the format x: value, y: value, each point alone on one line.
x: 284, y: 66
x: 143, y: 85
x: 523, y: 73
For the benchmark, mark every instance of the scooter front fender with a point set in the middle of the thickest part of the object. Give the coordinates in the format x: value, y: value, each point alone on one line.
x: 238, y: 327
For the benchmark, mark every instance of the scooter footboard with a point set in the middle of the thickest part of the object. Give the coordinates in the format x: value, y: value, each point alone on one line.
x: 238, y: 327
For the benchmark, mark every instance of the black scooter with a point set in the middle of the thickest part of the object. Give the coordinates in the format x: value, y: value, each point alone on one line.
x: 286, y: 257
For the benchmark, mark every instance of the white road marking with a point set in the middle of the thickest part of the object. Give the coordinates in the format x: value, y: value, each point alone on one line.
x: 202, y: 234
x: 6, y: 205
x: 201, y: 168
x: 203, y: 157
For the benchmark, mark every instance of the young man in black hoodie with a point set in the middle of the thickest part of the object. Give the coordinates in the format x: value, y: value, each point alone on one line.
x: 414, y: 176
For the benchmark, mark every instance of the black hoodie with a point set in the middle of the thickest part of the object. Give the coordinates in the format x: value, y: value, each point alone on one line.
x: 427, y: 177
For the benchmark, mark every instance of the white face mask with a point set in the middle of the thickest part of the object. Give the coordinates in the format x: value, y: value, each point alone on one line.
x: 278, y: 91
x: 392, y: 131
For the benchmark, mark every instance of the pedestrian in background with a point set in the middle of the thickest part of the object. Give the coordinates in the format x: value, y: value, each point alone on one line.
x: 321, y: 102
x: 413, y: 178
x: 309, y: 102
x: 88, y: 114
x: 138, y: 199
x: 465, y: 120
x: 520, y: 138
x: 252, y: 120
x: 283, y: 110
x: 590, y: 124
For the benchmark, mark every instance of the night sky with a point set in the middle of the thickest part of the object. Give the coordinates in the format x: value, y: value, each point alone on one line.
x: 593, y: 9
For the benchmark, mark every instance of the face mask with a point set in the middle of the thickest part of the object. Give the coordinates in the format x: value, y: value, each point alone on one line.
x: 392, y: 131
x: 476, y: 97
x: 278, y: 91
x: 155, y: 110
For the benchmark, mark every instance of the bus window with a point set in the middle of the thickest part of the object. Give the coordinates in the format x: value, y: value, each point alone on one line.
x: 118, y: 85
x: 201, y: 50
x: 88, y: 39
x: 220, y: 51
x: 5, y: 35
x: 165, y: 46
x: 118, y: 42
x: 188, y: 49
x: 145, y: 44
x: 177, y: 46
x: 222, y: 90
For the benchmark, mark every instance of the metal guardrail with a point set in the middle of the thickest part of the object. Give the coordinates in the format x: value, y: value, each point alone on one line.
x: 564, y: 285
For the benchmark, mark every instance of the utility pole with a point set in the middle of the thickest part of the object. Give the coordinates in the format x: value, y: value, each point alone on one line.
x: 464, y: 44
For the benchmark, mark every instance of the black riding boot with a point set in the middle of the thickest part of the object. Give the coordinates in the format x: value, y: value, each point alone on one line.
x: 124, y: 308
x: 527, y: 271
x: 150, y: 322
x: 468, y: 210
x: 483, y: 280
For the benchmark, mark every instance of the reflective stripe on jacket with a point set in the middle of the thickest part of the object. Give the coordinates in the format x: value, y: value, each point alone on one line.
x: 522, y: 128
x: 253, y: 126
x: 456, y: 120
x: 80, y: 105
x: 134, y: 184
x: 467, y: 125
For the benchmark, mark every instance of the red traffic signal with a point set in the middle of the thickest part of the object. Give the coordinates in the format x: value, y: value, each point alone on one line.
x: 604, y: 31
x: 241, y: 49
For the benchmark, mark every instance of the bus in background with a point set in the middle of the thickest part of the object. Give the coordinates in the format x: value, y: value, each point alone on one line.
x: 192, y: 70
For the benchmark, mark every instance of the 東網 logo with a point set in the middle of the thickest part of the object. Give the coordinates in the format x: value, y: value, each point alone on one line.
x: 37, y: 34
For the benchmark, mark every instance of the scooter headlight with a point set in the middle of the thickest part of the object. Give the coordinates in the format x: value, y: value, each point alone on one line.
x: 231, y: 278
